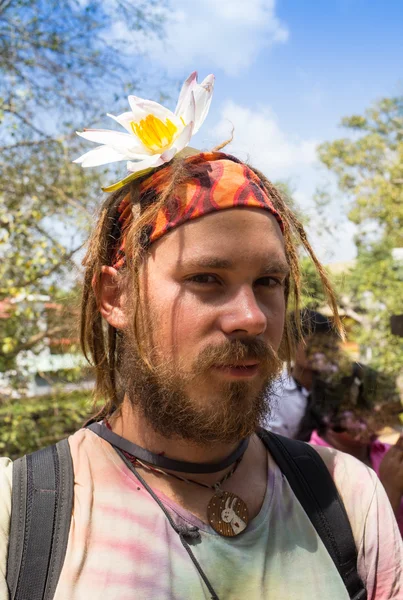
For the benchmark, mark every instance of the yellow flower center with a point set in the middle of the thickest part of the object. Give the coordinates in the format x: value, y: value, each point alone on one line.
x: 154, y: 134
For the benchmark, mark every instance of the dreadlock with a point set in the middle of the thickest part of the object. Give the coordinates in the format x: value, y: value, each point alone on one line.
x: 100, y: 341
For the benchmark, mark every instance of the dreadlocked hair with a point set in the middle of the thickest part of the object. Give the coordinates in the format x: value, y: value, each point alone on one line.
x: 294, y: 238
x: 100, y: 341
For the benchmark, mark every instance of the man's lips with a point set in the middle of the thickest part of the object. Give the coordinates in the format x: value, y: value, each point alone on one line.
x: 238, y: 370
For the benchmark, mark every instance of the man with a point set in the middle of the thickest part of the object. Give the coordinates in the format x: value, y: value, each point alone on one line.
x: 187, y: 280
x: 291, y: 416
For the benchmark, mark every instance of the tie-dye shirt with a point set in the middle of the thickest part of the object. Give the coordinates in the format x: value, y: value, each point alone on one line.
x: 377, y: 452
x: 121, y: 546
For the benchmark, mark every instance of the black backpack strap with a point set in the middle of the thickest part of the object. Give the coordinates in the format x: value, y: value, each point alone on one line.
x: 315, y: 489
x: 41, y: 507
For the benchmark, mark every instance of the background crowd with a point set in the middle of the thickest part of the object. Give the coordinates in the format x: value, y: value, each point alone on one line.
x: 330, y: 400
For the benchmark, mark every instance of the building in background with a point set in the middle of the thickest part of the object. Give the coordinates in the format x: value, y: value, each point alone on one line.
x: 55, y: 361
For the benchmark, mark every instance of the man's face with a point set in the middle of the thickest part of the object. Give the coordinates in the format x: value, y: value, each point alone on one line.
x: 213, y: 309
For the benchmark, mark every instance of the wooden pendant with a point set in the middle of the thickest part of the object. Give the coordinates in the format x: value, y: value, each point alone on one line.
x: 227, y: 514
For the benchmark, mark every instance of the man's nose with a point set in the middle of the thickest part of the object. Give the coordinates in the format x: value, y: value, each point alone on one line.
x: 243, y: 314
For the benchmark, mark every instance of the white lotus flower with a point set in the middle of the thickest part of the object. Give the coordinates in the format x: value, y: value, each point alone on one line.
x: 154, y: 133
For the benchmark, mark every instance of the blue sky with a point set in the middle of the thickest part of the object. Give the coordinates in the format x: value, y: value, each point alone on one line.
x: 287, y: 72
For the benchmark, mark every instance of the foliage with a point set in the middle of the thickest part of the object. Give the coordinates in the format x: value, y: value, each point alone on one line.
x: 60, y: 55
x: 61, y: 64
x: 376, y: 289
x: 32, y: 423
x: 313, y: 295
x: 31, y: 321
x: 369, y: 170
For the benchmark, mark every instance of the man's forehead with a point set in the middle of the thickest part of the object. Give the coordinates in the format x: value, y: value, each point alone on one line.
x: 224, y: 240
x: 275, y: 262
x: 250, y: 225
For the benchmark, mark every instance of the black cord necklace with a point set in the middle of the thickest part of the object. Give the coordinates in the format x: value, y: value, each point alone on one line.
x: 162, y: 461
x: 227, y: 513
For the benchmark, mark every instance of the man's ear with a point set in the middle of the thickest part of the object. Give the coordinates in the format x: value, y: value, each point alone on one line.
x: 111, y: 298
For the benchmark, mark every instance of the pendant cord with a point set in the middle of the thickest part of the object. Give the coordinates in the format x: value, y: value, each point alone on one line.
x: 215, y: 486
x: 183, y: 531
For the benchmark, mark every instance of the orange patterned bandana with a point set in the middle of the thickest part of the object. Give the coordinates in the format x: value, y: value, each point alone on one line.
x: 216, y: 181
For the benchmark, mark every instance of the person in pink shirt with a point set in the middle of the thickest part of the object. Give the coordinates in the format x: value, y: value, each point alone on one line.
x: 350, y: 433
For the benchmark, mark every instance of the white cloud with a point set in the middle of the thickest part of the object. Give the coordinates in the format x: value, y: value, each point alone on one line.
x: 225, y: 34
x: 259, y: 138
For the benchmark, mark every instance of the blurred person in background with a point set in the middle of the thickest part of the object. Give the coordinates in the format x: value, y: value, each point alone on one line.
x: 350, y: 432
x: 350, y: 413
x: 294, y: 393
x: 329, y: 400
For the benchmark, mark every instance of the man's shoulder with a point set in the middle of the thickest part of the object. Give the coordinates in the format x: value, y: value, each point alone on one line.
x: 6, y: 475
x: 6, y: 482
x: 6, y: 478
x: 77, y: 440
x: 375, y: 531
x: 353, y: 481
x: 348, y: 473
x: 342, y: 465
x: 6, y: 467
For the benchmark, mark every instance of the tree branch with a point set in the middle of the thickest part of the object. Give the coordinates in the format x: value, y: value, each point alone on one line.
x: 42, y: 274
x: 12, y: 111
x: 25, y: 143
x: 4, y: 4
x: 31, y: 342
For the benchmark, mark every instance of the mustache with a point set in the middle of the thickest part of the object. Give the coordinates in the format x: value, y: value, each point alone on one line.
x: 231, y: 352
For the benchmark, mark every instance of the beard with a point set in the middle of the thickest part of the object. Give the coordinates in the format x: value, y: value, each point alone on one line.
x: 190, y: 405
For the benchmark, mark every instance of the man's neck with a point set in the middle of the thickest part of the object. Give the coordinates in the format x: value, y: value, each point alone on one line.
x: 249, y: 481
x: 303, y: 376
x: 133, y: 426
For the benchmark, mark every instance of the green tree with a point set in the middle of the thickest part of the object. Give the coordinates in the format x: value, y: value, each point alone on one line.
x: 368, y: 165
x: 313, y: 296
x: 38, y: 422
x: 61, y: 67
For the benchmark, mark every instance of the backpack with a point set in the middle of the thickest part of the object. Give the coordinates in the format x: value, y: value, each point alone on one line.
x: 42, y: 503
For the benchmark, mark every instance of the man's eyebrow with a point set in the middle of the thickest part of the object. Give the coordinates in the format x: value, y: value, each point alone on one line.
x: 213, y: 262
x: 277, y: 266
x: 208, y: 262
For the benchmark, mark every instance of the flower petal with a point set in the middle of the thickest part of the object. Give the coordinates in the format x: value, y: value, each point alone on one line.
x: 189, y: 114
x: 184, y: 138
x: 138, y: 113
x: 187, y: 87
x: 117, y: 140
x: 125, y: 120
x: 203, y: 94
x: 149, y: 107
x: 151, y: 161
x: 100, y: 156
x: 142, y: 168
x: 168, y: 155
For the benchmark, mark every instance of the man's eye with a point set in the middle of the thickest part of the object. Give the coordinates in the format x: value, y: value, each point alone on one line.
x: 268, y: 281
x: 203, y: 278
